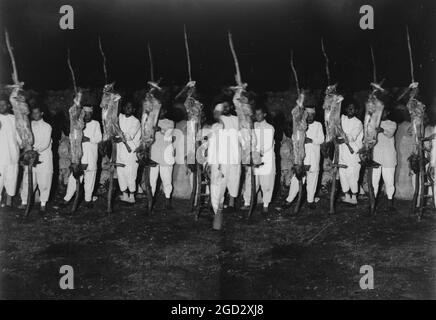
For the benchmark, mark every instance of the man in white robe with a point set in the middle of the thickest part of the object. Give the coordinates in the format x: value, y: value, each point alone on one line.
x: 162, y: 152
x: 131, y: 128
x: 224, y: 160
x: 91, y: 138
x: 43, y: 171
x: 312, y: 150
x: 349, y: 176
x: 266, y: 173
x: 386, y: 155
x: 9, y: 154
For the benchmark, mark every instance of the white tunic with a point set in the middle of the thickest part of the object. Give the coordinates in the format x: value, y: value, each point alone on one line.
x: 353, y: 129
x: 384, y: 150
x: 312, y: 150
x: 42, y: 143
x: 9, y: 143
x: 224, y: 145
x: 265, y: 145
x: 162, y: 149
x: 131, y: 129
x: 90, y: 149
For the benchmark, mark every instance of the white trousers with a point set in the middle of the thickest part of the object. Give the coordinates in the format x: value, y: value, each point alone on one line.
x: 127, y: 177
x: 224, y: 176
x: 166, y: 176
x: 8, y: 178
x: 388, y: 175
x: 42, y: 178
x: 311, y: 180
x: 264, y: 183
x: 349, y: 178
x: 89, y: 181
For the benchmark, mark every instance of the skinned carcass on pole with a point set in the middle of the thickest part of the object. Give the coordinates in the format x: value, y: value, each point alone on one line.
x: 417, y: 159
x: 250, y: 159
x: 151, y: 107
x: 77, y: 125
x: 299, y: 128
x: 28, y: 157
x: 373, y: 113
x: 194, y: 111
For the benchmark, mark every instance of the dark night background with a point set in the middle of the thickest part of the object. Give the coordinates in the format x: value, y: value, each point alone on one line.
x: 264, y: 33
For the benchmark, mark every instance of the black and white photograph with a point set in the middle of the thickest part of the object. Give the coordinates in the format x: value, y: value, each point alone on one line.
x: 217, y: 154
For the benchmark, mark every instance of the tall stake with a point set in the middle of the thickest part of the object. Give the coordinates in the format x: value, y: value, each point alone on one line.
x: 150, y: 59
x: 187, y: 52
x: 374, y: 66
x: 235, y: 59
x: 11, y: 55
x: 412, y: 73
x: 104, y: 60
x: 294, y: 71
x: 326, y: 58
x: 73, y: 77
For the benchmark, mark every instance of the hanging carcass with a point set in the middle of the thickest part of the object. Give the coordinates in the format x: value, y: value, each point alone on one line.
x: 249, y: 157
x: 151, y: 107
x: 20, y: 108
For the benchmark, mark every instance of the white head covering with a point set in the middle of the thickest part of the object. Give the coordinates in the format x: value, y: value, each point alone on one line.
x: 310, y: 109
x: 87, y: 108
x: 219, y: 107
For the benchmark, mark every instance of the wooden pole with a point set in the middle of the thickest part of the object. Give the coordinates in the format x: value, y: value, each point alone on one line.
x: 374, y: 67
x: 104, y: 59
x: 150, y: 59
x: 412, y: 73
x: 11, y: 55
x: 73, y: 77
x: 235, y: 59
x: 335, y: 173
x: 326, y: 58
x: 294, y: 71
x: 188, y: 57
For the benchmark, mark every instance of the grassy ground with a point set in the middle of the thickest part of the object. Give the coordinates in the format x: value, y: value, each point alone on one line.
x: 170, y: 256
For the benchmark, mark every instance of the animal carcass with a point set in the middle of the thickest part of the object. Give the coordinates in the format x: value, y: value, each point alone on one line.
x: 373, y: 113
x: 194, y: 110
x: 332, y: 120
x: 150, y: 116
x: 299, y: 127
x: 109, y: 115
x: 244, y: 112
x: 76, y: 134
x: 416, y: 110
x: 22, y: 123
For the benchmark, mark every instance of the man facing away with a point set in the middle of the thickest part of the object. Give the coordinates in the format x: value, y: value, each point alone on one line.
x: 131, y: 128
x: 386, y: 155
x: 312, y: 149
x: 162, y: 152
x: 266, y: 172
x: 43, y: 171
x: 224, y: 160
x: 349, y: 176
x: 10, y: 152
x: 91, y: 138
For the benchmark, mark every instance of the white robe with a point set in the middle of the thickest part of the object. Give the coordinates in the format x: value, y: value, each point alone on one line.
x: 9, y: 155
x: 265, y: 174
x: 312, y: 158
x: 349, y: 176
x: 223, y: 157
x: 162, y: 151
x: 386, y: 155
x: 131, y: 128
x: 43, y: 172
